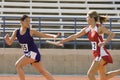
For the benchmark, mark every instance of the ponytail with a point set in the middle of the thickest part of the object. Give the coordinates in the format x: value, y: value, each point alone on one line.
x: 103, y: 19
x: 97, y: 17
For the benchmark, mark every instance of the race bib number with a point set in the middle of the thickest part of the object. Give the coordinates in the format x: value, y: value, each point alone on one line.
x: 94, y: 45
x: 25, y: 47
x: 31, y: 54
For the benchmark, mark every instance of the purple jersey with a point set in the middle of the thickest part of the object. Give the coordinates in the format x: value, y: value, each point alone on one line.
x: 28, y: 45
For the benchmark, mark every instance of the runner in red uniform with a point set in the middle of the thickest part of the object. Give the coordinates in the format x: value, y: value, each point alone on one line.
x: 98, y: 51
x: 95, y: 34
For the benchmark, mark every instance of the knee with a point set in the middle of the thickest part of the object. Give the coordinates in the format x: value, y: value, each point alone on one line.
x: 90, y: 75
x: 18, y: 66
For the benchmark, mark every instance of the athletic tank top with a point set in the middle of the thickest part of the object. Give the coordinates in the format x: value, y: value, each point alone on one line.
x: 26, y: 41
x: 95, y: 38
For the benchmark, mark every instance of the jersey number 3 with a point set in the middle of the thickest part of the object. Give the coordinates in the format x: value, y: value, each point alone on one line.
x: 25, y: 47
x: 94, y: 45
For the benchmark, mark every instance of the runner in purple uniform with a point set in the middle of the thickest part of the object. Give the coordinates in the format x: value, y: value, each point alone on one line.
x: 31, y: 53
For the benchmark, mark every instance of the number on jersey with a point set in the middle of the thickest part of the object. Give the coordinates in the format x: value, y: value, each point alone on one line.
x: 25, y: 47
x: 94, y: 45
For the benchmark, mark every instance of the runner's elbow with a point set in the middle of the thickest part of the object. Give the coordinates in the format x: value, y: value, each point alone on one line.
x: 113, y: 34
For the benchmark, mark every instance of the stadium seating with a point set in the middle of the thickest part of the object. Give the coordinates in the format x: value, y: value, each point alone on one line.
x: 53, y: 11
x: 60, y: 7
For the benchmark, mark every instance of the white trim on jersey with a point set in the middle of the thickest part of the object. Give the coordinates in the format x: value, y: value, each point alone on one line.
x: 87, y: 29
x: 102, y: 52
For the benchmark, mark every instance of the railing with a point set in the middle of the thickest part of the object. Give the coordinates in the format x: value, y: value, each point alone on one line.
x: 62, y: 23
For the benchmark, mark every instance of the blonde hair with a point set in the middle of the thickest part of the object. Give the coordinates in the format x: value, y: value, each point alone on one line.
x: 97, y: 17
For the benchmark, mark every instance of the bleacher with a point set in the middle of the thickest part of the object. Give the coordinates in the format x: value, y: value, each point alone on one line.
x: 53, y: 16
x: 59, y: 7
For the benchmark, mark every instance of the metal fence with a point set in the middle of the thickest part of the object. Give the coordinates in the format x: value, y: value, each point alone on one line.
x: 65, y: 25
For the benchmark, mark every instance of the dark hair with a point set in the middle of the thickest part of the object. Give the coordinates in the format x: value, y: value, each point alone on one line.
x: 97, y: 17
x: 23, y: 17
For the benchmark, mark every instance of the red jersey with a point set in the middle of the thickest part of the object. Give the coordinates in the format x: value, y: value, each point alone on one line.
x: 98, y: 52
